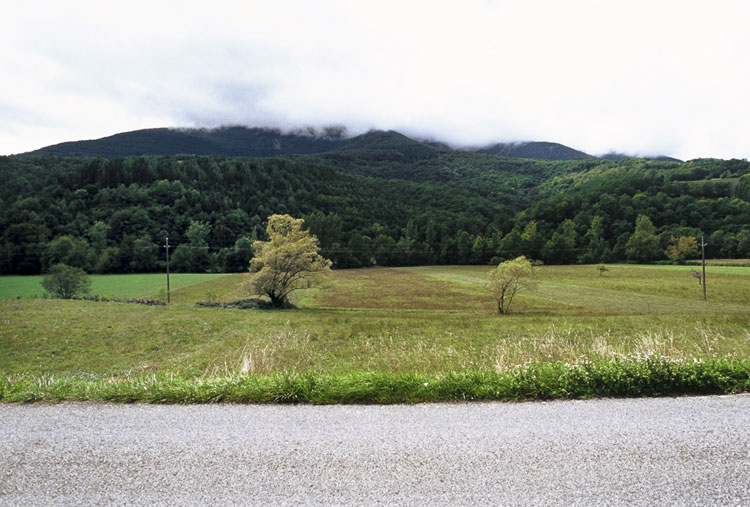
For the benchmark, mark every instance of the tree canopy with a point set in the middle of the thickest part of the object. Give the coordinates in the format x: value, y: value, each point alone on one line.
x: 66, y: 282
x: 508, y: 279
x: 643, y: 245
x: 684, y: 247
x: 288, y: 261
x: 378, y: 202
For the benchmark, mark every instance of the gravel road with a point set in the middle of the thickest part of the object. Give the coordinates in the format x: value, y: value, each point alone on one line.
x: 686, y: 451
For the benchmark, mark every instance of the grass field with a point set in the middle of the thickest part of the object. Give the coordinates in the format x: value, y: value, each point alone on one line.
x: 624, y: 290
x: 116, y: 286
x: 421, y: 321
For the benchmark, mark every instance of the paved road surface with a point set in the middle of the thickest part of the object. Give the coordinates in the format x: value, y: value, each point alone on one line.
x: 686, y: 451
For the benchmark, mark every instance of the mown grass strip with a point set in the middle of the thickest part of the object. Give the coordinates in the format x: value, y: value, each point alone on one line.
x: 645, y: 377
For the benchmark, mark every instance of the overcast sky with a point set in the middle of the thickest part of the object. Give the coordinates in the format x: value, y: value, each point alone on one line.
x: 641, y: 77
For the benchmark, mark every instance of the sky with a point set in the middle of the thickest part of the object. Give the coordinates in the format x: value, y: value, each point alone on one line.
x: 656, y: 77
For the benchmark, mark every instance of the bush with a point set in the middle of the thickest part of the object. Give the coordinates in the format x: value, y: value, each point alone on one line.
x: 66, y: 282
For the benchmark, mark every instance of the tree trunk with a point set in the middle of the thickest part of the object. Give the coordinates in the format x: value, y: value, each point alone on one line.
x: 278, y: 302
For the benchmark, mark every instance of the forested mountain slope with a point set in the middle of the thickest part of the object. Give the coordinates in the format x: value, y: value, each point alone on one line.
x: 225, y: 141
x: 538, y: 150
x: 380, y: 198
x: 241, y: 141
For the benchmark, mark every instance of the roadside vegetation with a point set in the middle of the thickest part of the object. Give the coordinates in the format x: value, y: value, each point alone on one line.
x: 389, y: 335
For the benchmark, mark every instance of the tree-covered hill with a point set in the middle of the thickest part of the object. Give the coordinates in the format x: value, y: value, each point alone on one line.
x: 537, y: 150
x: 239, y: 141
x: 267, y: 142
x: 380, y: 198
x: 618, y: 157
x: 225, y: 141
x: 112, y: 215
x: 243, y: 142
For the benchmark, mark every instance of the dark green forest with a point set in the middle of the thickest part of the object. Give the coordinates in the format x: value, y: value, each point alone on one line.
x: 381, y: 199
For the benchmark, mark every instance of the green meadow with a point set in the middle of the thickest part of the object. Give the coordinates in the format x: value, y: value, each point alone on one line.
x: 414, y: 326
x: 148, y: 285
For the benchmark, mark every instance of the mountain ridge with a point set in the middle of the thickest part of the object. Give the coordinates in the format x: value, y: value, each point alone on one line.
x: 235, y: 141
x: 535, y: 149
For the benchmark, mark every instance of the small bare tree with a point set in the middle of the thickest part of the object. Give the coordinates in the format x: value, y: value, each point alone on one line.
x: 508, y: 279
x: 696, y: 274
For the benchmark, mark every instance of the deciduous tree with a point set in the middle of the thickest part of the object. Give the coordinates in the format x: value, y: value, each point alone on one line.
x: 561, y: 247
x: 288, y: 261
x: 682, y: 248
x: 594, y: 242
x: 643, y: 245
x: 508, y: 279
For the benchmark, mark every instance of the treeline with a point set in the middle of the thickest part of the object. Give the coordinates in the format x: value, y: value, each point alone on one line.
x: 112, y: 216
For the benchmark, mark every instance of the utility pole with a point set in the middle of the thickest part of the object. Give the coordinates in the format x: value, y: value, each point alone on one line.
x: 166, y: 245
x: 703, y: 258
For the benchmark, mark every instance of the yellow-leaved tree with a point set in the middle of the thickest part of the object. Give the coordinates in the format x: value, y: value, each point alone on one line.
x: 684, y: 247
x: 288, y: 261
x: 508, y: 279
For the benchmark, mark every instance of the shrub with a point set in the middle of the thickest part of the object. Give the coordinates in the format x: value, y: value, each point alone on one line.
x: 66, y: 282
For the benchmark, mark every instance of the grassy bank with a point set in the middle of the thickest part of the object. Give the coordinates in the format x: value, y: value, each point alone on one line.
x: 635, y: 377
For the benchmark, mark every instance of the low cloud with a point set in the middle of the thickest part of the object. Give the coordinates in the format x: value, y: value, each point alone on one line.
x: 667, y: 78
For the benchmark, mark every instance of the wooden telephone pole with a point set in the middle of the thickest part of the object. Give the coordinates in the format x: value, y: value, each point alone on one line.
x: 166, y: 245
x: 703, y: 259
